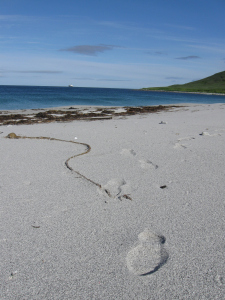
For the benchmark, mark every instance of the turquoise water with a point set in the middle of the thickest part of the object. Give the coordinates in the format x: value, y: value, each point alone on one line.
x: 29, y: 97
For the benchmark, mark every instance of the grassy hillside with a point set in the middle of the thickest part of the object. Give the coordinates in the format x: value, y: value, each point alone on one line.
x: 211, y: 84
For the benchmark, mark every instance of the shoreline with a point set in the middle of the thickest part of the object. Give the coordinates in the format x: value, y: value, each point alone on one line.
x: 180, y: 92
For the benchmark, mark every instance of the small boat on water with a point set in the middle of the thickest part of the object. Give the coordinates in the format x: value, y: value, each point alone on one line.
x: 70, y: 85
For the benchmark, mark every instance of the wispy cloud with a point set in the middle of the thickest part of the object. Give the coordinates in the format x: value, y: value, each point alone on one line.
x: 160, y: 53
x: 33, y: 42
x: 100, y: 79
x: 113, y: 79
x: 113, y: 24
x: 83, y: 78
x: 180, y: 27
x: 174, y: 78
x: 91, y: 50
x: 217, y: 48
x: 37, y: 72
x: 156, y: 53
x: 23, y: 18
x: 128, y: 26
x: 166, y: 37
x: 9, y: 17
x: 188, y: 57
x: 18, y: 18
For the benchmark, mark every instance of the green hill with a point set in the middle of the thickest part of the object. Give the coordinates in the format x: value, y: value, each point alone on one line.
x: 211, y: 84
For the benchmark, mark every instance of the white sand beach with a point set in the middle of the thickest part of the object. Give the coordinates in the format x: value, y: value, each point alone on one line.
x: 145, y: 219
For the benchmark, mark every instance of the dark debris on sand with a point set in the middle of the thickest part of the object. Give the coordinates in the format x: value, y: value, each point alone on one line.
x: 70, y: 115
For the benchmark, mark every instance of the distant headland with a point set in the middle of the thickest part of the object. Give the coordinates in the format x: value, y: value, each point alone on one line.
x: 214, y: 84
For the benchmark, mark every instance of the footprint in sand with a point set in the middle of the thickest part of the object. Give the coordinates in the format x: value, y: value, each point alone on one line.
x: 178, y: 144
x: 149, y: 255
x: 220, y: 280
x: 116, y: 188
x: 27, y: 182
x: 128, y: 152
x: 144, y: 163
x: 206, y: 133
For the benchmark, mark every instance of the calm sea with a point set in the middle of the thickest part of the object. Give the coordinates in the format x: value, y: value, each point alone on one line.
x: 28, y: 97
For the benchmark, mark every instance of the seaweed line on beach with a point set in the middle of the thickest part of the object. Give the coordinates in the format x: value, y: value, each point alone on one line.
x: 88, y: 149
x: 24, y: 117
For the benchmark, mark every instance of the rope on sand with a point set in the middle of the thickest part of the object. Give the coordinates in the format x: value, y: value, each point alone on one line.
x: 88, y: 149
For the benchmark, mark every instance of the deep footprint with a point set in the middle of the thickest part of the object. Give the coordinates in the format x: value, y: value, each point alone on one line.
x: 128, y: 152
x: 147, y: 257
x: 117, y: 189
x: 146, y: 164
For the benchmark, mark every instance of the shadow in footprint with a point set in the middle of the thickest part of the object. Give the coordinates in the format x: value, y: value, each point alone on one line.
x: 128, y: 152
x: 145, y: 164
x: 149, y: 255
x: 116, y: 189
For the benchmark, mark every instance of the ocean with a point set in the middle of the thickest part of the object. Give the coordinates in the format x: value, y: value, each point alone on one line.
x: 34, y: 97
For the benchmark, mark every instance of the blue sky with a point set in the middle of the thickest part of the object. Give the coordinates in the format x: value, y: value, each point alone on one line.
x: 101, y: 43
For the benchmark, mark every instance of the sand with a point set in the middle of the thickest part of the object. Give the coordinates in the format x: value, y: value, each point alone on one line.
x: 139, y: 216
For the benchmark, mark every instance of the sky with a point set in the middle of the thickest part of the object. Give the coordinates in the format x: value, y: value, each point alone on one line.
x: 114, y: 44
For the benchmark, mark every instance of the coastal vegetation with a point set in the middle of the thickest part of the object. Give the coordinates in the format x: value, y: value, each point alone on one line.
x: 212, y: 84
